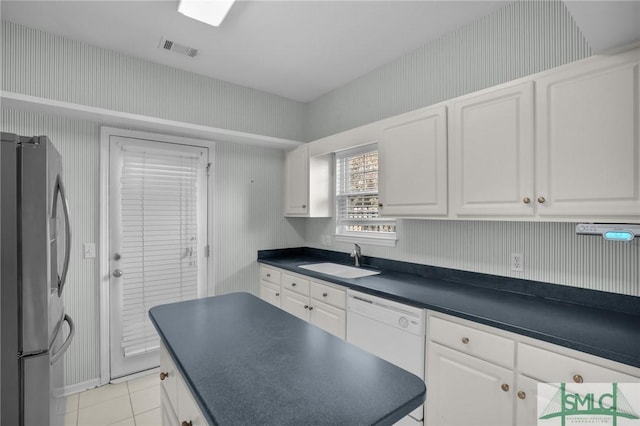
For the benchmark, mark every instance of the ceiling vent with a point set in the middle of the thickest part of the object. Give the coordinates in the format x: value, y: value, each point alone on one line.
x: 181, y: 49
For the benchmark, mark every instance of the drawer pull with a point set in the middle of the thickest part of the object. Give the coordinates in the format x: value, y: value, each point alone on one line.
x: 186, y: 423
x: 311, y: 308
x: 268, y: 275
x: 526, y: 200
x: 306, y: 306
x: 293, y: 284
x: 541, y: 200
x: 505, y: 387
x: 465, y: 340
x: 578, y: 378
x: 163, y: 375
x: 522, y: 395
x: 277, y: 294
x: 324, y: 294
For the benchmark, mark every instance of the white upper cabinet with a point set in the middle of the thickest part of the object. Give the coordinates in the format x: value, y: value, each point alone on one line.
x: 308, y: 184
x: 588, y: 140
x: 297, y: 182
x: 413, y: 164
x: 491, y: 148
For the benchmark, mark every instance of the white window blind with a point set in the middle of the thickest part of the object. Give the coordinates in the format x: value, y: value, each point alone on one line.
x: 357, y: 194
x: 159, y: 222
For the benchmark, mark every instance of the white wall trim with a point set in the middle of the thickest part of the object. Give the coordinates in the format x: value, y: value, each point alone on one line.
x: 81, y: 387
x: 104, y: 116
x: 105, y: 252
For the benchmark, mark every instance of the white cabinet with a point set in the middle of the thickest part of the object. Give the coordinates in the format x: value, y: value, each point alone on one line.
x: 588, y: 143
x: 470, y: 381
x: 297, y: 182
x: 413, y: 164
x: 308, y: 184
x: 322, y: 304
x: 270, y: 285
x: 481, y: 375
x: 464, y: 390
x: 177, y: 403
x: 491, y: 147
x: 540, y: 364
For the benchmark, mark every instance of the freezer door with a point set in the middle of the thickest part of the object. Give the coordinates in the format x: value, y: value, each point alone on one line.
x: 35, y: 390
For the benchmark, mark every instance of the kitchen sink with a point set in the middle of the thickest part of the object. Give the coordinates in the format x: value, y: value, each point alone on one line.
x: 338, y: 270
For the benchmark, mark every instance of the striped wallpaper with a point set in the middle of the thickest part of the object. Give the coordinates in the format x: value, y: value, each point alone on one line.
x: 552, y: 251
x: 522, y: 38
x: 248, y: 216
x: 45, y: 65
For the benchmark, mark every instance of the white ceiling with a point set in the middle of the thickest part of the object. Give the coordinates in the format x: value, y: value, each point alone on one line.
x: 296, y: 49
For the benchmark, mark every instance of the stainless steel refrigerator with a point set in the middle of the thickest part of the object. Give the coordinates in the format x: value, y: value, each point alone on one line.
x: 35, y: 251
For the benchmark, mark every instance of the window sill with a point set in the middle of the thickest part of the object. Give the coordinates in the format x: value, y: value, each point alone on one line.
x: 366, y: 240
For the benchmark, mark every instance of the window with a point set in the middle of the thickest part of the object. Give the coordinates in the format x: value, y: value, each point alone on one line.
x: 357, y: 201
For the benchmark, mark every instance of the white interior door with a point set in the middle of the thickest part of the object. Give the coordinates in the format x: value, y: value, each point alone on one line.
x: 158, y: 238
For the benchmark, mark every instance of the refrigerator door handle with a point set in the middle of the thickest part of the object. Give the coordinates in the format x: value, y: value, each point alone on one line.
x: 67, y: 250
x: 65, y: 345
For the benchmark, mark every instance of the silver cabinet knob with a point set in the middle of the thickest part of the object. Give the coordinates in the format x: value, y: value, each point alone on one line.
x: 117, y: 273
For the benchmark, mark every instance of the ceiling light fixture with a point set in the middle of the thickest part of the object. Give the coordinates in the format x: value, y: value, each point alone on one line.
x: 210, y: 12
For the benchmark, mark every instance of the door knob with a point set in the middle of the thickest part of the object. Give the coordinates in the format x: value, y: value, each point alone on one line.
x: 117, y: 273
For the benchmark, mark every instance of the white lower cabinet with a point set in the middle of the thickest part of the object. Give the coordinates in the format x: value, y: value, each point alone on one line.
x: 480, y: 375
x: 320, y: 303
x: 177, y: 404
x: 270, y: 292
x: 464, y: 390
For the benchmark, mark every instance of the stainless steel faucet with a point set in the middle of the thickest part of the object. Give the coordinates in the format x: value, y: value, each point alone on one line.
x: 357, y: 254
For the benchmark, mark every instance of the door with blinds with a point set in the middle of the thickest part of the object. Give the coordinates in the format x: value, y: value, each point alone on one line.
x: 158, y: 241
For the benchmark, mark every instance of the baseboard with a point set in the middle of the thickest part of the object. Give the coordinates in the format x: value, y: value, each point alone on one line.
x: 81, y: 387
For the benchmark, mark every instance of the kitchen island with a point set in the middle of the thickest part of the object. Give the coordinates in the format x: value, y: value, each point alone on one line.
x: 247, y: 362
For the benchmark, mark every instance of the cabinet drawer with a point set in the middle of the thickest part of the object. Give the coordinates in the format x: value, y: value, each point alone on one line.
x: 551, y: 367
x: 269, y: 274
x: 170, y: 382
x: 481, y: 344
x: 330, y: 295
x: 297, y: 284
x: 270, y: 292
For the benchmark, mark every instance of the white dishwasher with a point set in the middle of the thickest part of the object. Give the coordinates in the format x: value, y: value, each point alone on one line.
x: 392, y: 331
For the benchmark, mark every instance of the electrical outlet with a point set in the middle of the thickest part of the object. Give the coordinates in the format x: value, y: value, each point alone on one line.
x: 89, y: 250
x: 517, y: 262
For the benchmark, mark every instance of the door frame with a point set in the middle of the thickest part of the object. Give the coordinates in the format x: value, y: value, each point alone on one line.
x: 105, y: 229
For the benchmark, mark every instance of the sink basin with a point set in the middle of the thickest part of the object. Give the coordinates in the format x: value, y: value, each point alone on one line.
x: 338, y: 270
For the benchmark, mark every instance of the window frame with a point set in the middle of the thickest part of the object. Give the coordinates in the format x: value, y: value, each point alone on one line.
x: 388, y: 239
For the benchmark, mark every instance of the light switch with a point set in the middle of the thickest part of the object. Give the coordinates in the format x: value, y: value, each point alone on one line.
x: 89, y: 250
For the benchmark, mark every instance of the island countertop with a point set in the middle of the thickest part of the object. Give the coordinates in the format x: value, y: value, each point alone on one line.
x: 247, y: 362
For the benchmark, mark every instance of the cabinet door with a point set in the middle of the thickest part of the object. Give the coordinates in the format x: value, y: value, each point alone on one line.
x: 295, y: 304
x: 169, y: 416
x: 169, y: 380
x: 588, y: 143
x: 188, y: 410
x: 328, y: 318
x: 270, y: 293
x: 491, y: 148
x: 297, y: 182
x: 464, y: 390
x: 527, y: 402
x: 413, y: 165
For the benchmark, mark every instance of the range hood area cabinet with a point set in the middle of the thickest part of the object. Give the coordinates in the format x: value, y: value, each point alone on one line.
x: 308, y: 184
x: 562, y: 145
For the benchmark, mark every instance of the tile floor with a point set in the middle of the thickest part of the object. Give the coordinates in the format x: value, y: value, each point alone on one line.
x: 135, y: 402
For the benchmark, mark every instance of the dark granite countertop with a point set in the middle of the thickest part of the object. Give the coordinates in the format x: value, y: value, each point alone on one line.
x: 608, y: 326
x: 248, y: 362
